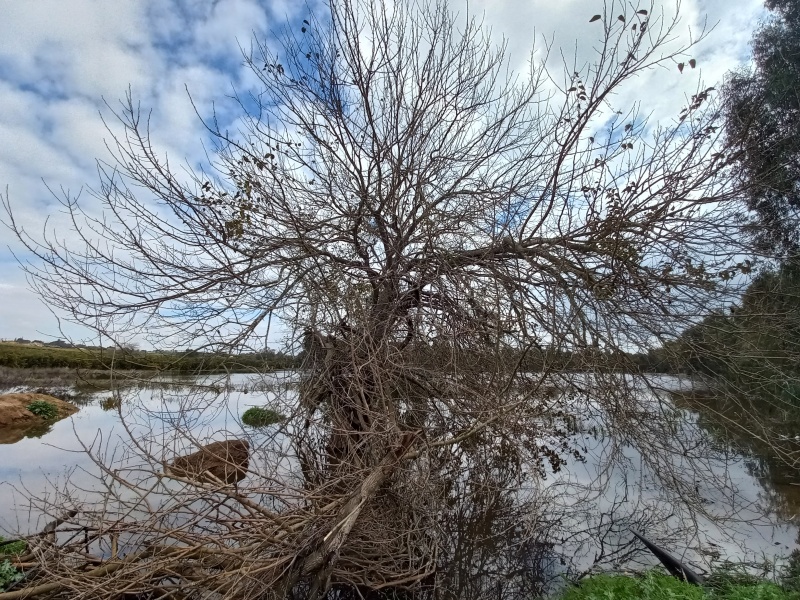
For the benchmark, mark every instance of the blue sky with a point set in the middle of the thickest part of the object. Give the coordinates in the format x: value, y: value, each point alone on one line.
x: 60, y: 59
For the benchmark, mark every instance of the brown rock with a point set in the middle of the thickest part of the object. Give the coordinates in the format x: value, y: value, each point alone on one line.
x: 16, y: 420
x: 226, y: 461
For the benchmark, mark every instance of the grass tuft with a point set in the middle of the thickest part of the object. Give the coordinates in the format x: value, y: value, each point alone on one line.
x: 17, y: 547
x: 258, y: 416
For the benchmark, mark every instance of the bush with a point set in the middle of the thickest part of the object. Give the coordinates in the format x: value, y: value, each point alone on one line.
x: 259, y: 416
x: 790, y: 575
x: 8, y: 574
x: 44, y: 409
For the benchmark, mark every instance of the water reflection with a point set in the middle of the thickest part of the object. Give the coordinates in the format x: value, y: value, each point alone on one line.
x: 767, y: 452
x: 713, y: 508
x: 506, y: 531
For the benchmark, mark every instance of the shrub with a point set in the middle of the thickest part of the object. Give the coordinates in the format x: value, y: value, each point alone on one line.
x: 259, y: 416
x: 8, y: 574
x: 44, y: 409
x: 790, y: 574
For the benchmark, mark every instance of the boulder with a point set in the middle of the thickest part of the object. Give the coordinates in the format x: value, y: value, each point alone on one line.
x: 224, y: 461
x: 16, y: 420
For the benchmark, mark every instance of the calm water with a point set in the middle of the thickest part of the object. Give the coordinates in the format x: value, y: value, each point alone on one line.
x: 739, y: 517
x: 593, y: 501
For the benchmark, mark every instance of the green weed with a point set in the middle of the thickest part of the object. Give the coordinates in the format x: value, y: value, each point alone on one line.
x: 259, y: 416
x: 44, y: 409
x: 17, y: 547
x: 8, y: 574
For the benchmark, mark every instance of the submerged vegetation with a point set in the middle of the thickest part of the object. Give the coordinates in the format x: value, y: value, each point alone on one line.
x: 259, y: 416
x: 110, y: 403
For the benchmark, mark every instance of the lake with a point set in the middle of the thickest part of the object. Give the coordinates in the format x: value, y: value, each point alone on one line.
x: 587, y: 507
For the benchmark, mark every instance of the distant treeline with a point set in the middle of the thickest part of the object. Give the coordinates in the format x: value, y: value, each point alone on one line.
x: 542, y: 359
x: 755, y: 344
x: 27, y: 357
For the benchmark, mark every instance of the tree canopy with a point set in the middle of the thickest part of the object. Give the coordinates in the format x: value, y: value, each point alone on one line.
x: 762, y: 120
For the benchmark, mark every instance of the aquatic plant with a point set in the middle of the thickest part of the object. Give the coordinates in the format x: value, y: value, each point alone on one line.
x: 258, y: 416
x: 110, y: 403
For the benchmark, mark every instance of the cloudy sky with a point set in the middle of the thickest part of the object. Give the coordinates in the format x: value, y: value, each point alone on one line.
x: 61, y: 59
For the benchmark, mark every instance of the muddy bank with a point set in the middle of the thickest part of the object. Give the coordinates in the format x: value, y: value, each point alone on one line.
x: 16, y: 421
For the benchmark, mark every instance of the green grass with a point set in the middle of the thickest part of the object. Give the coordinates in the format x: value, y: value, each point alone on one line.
x: 658, y: 586
x: 44, y: 409
x: 259, y: 416
x: 17, y: 547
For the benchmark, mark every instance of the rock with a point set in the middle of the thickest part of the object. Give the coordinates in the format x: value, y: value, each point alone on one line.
x: 16, y: 420
x: 226, y: 461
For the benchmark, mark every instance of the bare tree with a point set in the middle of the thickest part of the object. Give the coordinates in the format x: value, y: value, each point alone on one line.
x: 439, y: 234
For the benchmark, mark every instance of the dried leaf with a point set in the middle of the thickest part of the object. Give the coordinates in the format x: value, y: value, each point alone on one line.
x: 680, y: 67
x: 621, y: 18
x: 692, y: 63
x: 641, y: 12
x: 595, y: 18
x: 572, y: 89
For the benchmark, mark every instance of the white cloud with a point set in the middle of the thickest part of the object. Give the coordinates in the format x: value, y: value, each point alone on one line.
x: 83, y: 47
x: 217, y: 35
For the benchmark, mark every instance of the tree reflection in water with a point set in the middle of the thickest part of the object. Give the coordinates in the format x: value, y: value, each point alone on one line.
x: 491, y: 516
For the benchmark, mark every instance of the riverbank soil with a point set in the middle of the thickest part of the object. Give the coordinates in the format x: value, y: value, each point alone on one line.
x: 16, y: 420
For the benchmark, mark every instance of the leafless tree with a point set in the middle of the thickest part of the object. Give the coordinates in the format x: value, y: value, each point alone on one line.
x: 444, y: 238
